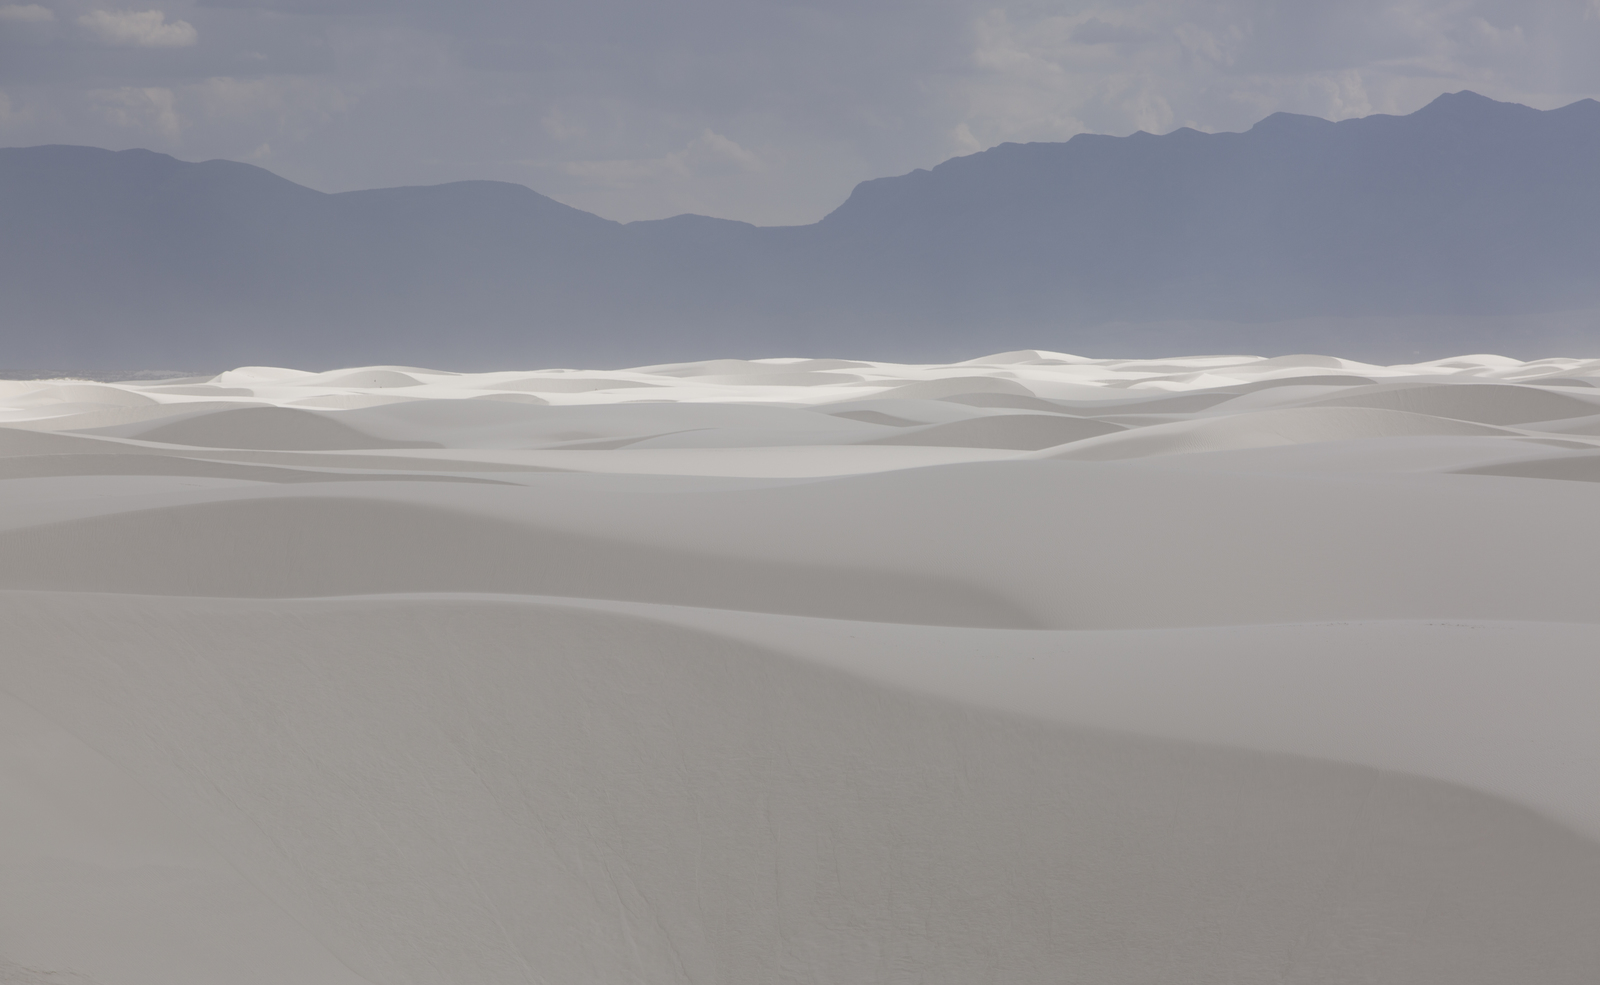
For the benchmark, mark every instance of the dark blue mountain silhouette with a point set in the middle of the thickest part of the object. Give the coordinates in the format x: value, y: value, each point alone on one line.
x: 1396, y: 233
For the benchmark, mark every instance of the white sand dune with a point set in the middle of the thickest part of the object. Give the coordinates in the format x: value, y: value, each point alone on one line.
x: 1032, y: 668
x: 1579, y: 468
x: 1019, y: 431
x: 259, y: 427
x: 1484, y: 403
x: 1298, y: 425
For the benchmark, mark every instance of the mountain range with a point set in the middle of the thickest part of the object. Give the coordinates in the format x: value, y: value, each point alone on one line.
x: 1468, y: 225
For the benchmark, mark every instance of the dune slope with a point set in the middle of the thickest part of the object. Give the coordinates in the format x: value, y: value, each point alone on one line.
x: 1028, y: 669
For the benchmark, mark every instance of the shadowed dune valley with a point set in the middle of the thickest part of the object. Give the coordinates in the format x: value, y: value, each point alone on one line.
x: 1033, y: 668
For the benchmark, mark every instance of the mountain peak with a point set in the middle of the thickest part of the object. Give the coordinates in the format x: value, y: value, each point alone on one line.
x: 1468, y: 103
x: 1289, y: 121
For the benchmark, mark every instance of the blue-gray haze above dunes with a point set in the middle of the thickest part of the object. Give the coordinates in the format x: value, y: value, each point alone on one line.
x: 1465, y: 210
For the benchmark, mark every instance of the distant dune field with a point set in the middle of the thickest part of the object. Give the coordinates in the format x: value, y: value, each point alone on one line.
x: 1029, y: 669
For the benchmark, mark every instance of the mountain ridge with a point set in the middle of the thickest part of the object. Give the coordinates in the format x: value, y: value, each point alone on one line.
x: 1468, y: 208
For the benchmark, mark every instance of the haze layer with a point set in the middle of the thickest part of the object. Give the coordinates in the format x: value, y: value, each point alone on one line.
x: 1466, y: 225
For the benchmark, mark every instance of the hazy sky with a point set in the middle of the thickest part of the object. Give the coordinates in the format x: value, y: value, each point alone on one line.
x: 765, y: 111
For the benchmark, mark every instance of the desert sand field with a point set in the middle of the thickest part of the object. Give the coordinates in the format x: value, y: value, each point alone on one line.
x: 1030, y: 669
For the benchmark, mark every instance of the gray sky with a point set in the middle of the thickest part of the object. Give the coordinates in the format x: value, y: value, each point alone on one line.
x: 763, y: 111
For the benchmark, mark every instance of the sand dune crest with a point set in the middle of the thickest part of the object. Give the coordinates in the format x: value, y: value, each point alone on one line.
x: 1485, y: 403
x: 265, y: 428
x: 1278, y: 427
x: 1024, y: 432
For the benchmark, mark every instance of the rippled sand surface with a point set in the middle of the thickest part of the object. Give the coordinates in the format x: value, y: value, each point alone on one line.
x: 1032, y: 668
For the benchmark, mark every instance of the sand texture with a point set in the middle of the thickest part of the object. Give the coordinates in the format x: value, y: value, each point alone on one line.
x: 1030, y: 669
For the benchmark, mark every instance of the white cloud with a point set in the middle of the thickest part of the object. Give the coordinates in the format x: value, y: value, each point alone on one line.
x: 559, y: 127
x: 711, y: 150
x: 144, y: 29
x: 17, y: 115
x: 711, y: 153
x: 27, y: 13
x: 1096, y: 30
x: 146, y: 108
x: 290, y: 106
